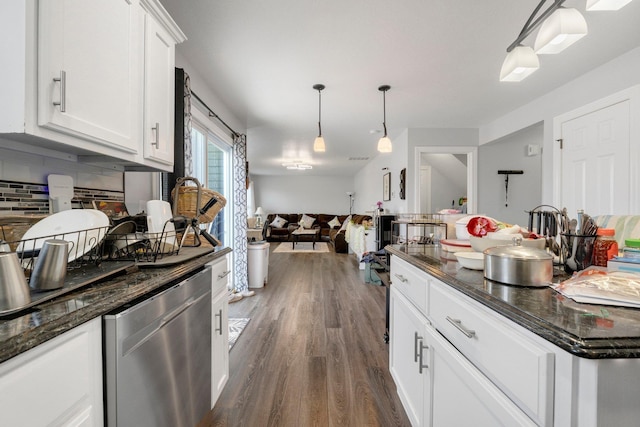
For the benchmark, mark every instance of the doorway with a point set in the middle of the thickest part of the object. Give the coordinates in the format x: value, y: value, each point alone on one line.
x: 429, y: 161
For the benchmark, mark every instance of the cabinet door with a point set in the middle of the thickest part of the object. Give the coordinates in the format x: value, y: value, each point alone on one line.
x: 56, y: 383
x: 461, y: 395
x: 406, y: 354
x: 159, y: 60
x: 219, y: 345
x: 88, y: 72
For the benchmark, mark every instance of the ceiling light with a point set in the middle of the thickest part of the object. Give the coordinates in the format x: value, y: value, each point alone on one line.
x: 384, y: 144
x: 519, y: 63
x: 560, y: 30
x: 297, y: 166
x: 606, y: 4
x: 318, y: 144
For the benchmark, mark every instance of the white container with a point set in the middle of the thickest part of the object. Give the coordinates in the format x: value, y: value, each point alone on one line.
x: 258, y: 264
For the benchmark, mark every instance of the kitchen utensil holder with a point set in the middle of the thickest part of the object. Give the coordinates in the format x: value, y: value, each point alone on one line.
x: 576, y: 251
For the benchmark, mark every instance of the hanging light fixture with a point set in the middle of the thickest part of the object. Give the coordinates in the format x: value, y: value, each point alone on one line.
x: 384, y: 144
x: 560, y: 30
x: 318, y: 144
x: 606, y: 4
x: 521, y: 62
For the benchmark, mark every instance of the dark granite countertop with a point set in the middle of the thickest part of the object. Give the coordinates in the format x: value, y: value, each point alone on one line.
x: 25, y: 330
x: 585, y: 330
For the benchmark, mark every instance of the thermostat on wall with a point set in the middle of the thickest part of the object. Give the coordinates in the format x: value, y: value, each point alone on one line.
x: 533, y: 150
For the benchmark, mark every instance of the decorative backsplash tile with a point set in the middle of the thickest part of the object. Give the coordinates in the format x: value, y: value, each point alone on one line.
x: 19, y: 198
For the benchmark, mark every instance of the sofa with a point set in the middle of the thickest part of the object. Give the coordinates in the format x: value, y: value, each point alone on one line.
x: 334, y: 235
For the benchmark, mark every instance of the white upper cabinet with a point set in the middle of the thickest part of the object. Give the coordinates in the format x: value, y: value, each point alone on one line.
x: 90, y: 79
x: 159, y: 86
x: 88, y: 71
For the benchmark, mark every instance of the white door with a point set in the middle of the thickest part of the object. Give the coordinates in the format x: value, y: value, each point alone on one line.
x: 596, y: 161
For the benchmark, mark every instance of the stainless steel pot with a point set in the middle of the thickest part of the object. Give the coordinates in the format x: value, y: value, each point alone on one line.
x: 518, y: 265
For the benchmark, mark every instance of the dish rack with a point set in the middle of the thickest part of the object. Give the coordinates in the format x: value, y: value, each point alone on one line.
x: 142, y: 246
x: 85, y: 247
x: 418, y: 228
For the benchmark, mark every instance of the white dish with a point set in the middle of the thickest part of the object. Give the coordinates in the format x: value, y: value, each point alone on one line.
x: 84, y: 228
x: 471, y: 260
x: 455, y: 245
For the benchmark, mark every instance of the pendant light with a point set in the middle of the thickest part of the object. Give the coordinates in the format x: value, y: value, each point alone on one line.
x: 318, y: 144
x: 606, y: 4
x: 560, y: 30
x: 384, y: 144
x: 520, y: 63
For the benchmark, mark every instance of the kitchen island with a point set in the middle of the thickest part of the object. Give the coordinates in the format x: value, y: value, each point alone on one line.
x: 514, y: 355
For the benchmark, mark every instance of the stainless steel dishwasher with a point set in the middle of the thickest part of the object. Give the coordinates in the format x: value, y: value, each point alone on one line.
x: 158, y: 357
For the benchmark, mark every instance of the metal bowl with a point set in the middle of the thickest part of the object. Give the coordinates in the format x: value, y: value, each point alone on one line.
x: 518, y: 265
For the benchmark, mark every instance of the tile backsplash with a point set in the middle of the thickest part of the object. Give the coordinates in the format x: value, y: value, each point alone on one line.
x: 19, y: 198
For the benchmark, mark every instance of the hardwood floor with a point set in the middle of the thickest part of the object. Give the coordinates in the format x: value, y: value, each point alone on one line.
x: 313, y: 353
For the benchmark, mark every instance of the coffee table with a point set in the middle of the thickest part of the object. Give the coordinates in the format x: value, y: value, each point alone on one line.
x: 307, y: 233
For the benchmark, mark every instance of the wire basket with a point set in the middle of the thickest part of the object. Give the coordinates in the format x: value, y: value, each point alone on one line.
x: 85, y: 247
x: 190, y: 201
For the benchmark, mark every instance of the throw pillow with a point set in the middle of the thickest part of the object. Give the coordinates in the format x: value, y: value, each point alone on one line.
x: 345, y: 223
x: 307, y: 221
x: 334, y: 222
x: 278, y: 222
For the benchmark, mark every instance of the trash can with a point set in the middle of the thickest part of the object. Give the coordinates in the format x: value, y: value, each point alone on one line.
x: 258, y: 264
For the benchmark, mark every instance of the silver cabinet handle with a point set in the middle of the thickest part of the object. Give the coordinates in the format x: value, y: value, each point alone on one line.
x: 219, y: 316
x: 401, y: 278
x: 63, y: 91
x: 224, y: 274
x: 458, y: 324
x: 422, y: 365
x: 416, y: 338
x: 156, y: 143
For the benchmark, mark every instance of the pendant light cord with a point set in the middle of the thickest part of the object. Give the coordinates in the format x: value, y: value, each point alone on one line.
x: 384, y: 111
x: 319, y: 111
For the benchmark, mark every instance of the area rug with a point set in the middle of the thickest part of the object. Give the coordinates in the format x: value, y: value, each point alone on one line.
x: 236, y: 326
x: 302, y: 247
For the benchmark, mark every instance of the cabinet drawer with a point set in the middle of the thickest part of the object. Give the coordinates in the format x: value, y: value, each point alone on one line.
x: 411, y: 282
x: 522, y: 369
x: 220, y: 273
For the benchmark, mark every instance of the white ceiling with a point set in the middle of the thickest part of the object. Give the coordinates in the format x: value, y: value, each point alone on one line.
x: 441, y: 58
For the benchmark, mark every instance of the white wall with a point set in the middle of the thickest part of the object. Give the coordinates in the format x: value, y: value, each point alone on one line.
x: 303, y: 193
x: 525, y: 191
x: 614, y: 76
x: 368, y: 181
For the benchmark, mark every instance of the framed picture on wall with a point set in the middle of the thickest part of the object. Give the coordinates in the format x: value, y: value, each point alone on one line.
x: 386, y: 187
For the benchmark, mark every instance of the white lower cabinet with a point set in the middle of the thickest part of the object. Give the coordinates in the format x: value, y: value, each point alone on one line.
x: 407, y: 330
x: 58, y: 383
x: 220, y: 327
x: 461, y: 395
x: 441, y: 383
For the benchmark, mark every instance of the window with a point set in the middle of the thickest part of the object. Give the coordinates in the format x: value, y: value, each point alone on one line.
x: 212, y: 166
